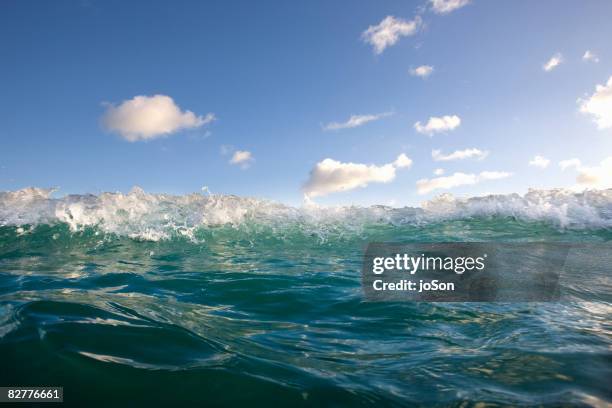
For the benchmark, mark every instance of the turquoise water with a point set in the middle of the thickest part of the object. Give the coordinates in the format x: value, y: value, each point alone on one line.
x: 157, y: 306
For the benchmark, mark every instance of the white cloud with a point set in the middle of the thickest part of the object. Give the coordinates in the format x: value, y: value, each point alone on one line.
x: 589, y: 56
x: 425, y: 186
x: 459, y: 154
x: 356, y: 121
x: 446, y: 6
x: 423, y: 71
x: 553, y: 62
x: 402, y: 161
x: 539, y: 161
x: 243, y: 158
x: 566, y: 164
x: 150, y: 117
x: 596, y: 176
x: 330, y: 176
x: 438, y: 172
x: 591, y: 176
x: 599, y: 105
x: 493, y: 175
x: 438, y: 124
x: 389, y: 31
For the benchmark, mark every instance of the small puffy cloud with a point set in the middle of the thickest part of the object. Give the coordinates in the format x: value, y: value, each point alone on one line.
x: 459, y: 155
x: 599, y: 105
x: 589, y: 56
x: 539, y: 161
x: 596, y: 176
x: 438, y: 172
x: 150, y: 117
x: 425, y: 186
x: 591, y: 176
x: 553, y: 62
x: 446, y: 6
x: 389, y: 31
x: 566, y: 164
x: 330, y: 176
x: 402, y: 161
x: 243, y: 158
x: 356, y: 121
x: 438, y: 124
x: 423, y: 71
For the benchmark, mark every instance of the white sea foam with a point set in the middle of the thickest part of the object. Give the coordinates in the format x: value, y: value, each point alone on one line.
x: 560, y: 207
x: 158, y: 216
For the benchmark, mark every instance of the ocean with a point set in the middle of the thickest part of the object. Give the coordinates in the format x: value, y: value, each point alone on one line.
x: 153, y: 299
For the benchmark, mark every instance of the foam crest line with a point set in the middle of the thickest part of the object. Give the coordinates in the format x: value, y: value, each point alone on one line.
x: 157, y: 216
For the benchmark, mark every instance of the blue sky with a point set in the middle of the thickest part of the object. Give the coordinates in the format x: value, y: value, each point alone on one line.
x: 275, y: 73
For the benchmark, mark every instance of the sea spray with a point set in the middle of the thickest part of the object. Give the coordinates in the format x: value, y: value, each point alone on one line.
x: 141, y: 215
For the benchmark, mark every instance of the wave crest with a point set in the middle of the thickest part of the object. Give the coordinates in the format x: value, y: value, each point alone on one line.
x: 158, y: 216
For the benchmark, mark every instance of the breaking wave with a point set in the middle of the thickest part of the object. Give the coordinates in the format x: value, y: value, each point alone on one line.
x: 140, y: 215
